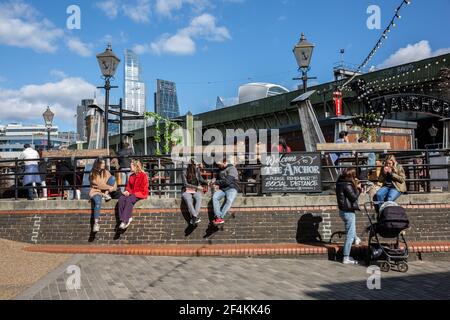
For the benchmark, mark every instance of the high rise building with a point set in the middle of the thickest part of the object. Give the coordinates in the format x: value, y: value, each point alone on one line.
x: 81, y: 116
x: 166, y: 100
x: 135, y: 90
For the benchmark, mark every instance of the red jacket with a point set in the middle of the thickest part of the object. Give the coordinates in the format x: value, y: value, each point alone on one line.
x: 138, y: 185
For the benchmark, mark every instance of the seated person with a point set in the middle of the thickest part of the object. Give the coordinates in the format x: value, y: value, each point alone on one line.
x: 102, y: 184
x: 136, y: 190
x: 193, y: 191
x: 393, y: 179
x: 227, y: 186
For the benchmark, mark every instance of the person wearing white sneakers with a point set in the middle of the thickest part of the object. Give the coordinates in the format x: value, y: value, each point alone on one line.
x: 348, y: 190
x: 102, y: 183
x: 136, y: 190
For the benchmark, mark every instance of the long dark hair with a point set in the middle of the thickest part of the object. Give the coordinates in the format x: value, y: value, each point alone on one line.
x: 284, y: 145
x: 350, y: 175
x: 191, y: 173
x: 97, y: 171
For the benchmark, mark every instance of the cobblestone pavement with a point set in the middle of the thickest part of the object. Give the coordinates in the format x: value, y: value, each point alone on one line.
x: 19, y: 270
x: 140, y: 277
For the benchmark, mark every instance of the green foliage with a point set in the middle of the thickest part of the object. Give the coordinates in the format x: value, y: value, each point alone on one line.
x: 170, y: 138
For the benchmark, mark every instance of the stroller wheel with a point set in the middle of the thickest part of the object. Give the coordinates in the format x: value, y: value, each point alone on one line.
x: 385, y: 266
x: 402, y: 267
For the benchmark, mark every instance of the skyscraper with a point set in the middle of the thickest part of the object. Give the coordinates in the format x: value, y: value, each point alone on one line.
x: 166, y: 100
x: 135, y: 91
x: 81, y: 116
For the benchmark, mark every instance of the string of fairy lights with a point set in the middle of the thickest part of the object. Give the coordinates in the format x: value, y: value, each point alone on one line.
x: 383, y: 37
x: 415, y: 81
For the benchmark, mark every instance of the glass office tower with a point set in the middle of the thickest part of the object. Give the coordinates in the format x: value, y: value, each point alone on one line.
x: 166, y: 100
x: 135, y: 90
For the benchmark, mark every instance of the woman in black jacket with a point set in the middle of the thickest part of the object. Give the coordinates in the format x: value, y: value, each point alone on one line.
x: 348, y: 190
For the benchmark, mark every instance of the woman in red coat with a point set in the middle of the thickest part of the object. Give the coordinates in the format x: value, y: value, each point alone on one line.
x: 137, y: 189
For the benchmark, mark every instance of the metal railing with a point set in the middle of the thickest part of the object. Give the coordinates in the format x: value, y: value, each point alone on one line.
x: 165, y: 175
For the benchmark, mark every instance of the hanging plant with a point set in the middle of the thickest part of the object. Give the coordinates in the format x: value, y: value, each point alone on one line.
x: 169, y: 137
x: 175, y: 138
x: 369, y: 120
x: 369, y: 124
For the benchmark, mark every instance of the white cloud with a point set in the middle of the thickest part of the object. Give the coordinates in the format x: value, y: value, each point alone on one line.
x: 138, y: 11
x: 183, y: 42
x: 179, y: 44
x: 79, y: 47
x: 58, y: 74
x: 28, y: 103
x: 109, y: 7
x: 166, y: 8
x: 412, y: 52
x: 21, y: 26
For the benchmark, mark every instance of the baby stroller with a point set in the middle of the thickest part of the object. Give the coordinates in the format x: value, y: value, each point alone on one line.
x: 391, y: 223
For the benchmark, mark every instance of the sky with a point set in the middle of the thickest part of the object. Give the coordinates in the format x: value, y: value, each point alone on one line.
x: 208, y: 47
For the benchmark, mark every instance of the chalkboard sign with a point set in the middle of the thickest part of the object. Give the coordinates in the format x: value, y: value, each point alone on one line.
x: 292, y: 173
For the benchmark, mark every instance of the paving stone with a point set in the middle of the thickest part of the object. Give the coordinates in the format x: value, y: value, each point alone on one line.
x: 153, y: 278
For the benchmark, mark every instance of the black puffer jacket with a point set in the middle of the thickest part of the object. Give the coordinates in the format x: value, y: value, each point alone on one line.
x: 347, y: 196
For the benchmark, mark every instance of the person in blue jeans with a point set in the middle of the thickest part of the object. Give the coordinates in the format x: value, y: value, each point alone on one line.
x: 348, y: 190
x: 226, y: 186
x: 102, y: 184
x: 393, y: 178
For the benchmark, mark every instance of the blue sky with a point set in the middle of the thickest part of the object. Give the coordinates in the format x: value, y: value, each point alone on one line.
x: 209, y: 47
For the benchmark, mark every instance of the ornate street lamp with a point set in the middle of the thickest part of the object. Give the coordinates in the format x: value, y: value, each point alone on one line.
x: 108, y: 63
x: 303, y: 51
x: 48, y: 119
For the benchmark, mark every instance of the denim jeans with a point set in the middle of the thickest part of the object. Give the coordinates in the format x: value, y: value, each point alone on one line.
x: 230, y: 196
x: 349, y: 219
x: 189, y: 199
x: 97, y: 199
x: 124, y: 176
x: 386, y: 194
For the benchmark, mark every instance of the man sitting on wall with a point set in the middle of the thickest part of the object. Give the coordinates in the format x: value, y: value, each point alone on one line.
x: 226, y: 186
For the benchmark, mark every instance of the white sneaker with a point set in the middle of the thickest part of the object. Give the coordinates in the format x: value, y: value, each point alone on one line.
x: 358, y: 241
x: 96, y: 228
x: 129, y: 222
x: 43, y: 199
x: 349, y: 261
x: 122, y: 226
x: 107, y: 197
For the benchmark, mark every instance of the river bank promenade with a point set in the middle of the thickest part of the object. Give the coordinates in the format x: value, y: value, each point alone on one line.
x: 270, y: 248
x: 156, y: 278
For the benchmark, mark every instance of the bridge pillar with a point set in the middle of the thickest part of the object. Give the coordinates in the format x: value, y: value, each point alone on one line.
x: 311, y: 130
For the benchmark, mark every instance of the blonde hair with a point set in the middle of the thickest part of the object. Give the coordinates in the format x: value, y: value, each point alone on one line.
x: 138, y: 166
x: 392, y: 158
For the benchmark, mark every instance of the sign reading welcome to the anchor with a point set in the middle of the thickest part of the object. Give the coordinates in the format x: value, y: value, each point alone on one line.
x: 292, y: 173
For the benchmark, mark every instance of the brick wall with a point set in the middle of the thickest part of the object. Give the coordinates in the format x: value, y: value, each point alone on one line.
x: 168, y: 226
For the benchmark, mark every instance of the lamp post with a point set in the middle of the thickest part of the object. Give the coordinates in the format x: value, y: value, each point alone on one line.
x: 108, y: 63
x: 48, y: 119
x: 303, y: 51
